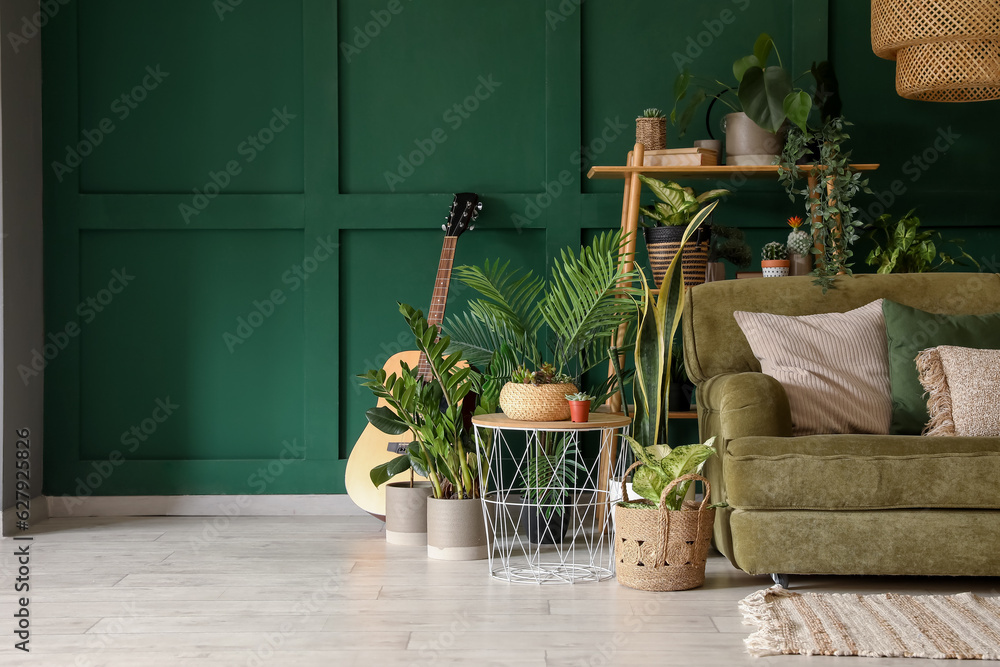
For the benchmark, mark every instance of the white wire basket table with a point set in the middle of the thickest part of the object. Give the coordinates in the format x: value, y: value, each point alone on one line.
x: 547, y: 507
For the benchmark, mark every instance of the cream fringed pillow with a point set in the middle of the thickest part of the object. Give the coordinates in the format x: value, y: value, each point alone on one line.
x: 963, y: 389
x: 834, y: 367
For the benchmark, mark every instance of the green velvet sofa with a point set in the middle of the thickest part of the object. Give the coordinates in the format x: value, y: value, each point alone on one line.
x: 836, y: 504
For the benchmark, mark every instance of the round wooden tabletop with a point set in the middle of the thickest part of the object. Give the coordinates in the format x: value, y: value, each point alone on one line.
x: 598, y: 421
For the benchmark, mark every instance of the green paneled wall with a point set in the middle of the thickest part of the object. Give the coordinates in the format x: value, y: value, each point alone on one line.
x: 303, y: 155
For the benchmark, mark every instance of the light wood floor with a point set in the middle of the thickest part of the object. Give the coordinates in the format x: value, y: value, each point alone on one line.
x: 328, y: 591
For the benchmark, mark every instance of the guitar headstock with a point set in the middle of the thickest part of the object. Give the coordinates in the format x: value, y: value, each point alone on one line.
x: 465, y: 209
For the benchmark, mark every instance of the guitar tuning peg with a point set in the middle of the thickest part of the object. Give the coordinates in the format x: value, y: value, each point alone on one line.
x: 471, y: 227
x: 479, y: 206
x: 444, y: 228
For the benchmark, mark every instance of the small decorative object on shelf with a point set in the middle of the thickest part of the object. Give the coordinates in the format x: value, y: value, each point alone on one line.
x: 651, y: 129
x: 800, y: 246
x: 579, y: 406
x: 774, y: 262
x: 665, y: 221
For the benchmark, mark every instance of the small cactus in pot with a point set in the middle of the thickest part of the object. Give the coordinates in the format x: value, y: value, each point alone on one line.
x: 800, y: 244
x: 775, y: 260
x: 579, y: 406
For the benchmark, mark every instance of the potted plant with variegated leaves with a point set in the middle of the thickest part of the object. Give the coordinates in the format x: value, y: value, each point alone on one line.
x: 661, y: 543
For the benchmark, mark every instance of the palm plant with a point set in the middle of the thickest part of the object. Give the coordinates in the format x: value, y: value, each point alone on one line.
x: 520, y: 320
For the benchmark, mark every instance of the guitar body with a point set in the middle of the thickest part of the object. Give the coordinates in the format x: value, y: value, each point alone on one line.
x: 375, y: 448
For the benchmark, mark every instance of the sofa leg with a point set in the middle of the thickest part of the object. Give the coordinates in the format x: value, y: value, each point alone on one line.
x: 780, y: 579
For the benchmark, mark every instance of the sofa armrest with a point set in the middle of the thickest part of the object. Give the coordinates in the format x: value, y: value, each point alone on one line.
x: 734, y: 406
x: 741, y: 404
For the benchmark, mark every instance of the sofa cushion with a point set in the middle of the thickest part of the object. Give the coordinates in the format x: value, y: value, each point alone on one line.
x: 833, y: 366
x: 911, y: 330
x: 862, y: 472
x: 963, y: 390
x: 713, y: 344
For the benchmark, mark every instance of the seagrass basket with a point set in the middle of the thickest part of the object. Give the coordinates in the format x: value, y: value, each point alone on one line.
x: 651, y: 133
x: 662, y: 244
x: 945, y: 51
x: 657, y: 549
x: 536, y: 402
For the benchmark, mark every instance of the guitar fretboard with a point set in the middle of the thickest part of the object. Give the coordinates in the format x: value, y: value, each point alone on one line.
x: 435, y: 314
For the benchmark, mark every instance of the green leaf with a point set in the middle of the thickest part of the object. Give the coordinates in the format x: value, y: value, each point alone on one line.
x: 669, y: 193
x: 381, y: 474
x: 386, y: 421
x: 649, y: 482
x: 762, y: 94
x: 743, y: 64
x: 711, y: 195
x: 762, y: 48
x: 797, y: 107
x: 697, y: 98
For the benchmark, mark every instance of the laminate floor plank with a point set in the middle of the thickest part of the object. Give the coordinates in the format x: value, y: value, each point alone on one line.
x: 327, y: 590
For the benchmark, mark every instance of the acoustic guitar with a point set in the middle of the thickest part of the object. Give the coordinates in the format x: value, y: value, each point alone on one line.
x: 375, y: 447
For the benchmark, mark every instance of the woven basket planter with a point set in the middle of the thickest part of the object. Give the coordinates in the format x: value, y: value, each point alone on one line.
x: 536, y: 402
x: 651, y: 133
x: 945, y: 51
x: 662, y: 244
x: 657, y: 549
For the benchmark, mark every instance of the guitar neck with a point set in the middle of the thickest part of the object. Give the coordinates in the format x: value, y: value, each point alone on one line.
x: 439, y: 300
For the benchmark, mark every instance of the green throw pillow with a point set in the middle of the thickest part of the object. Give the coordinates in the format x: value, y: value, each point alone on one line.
x: 909, y: 331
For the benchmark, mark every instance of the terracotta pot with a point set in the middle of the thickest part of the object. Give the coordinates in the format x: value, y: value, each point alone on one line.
x: 456, y: 530
x: 406, y: 513
x: 536, y: 402
x: 579, y: 411
x: 774, y: 268
x: 749, y: 144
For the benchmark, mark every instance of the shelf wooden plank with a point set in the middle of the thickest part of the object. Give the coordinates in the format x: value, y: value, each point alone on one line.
x: 682, y: 415
x: 714, y: 171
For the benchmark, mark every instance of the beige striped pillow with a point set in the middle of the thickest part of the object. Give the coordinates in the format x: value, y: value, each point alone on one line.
x: 834, y: 367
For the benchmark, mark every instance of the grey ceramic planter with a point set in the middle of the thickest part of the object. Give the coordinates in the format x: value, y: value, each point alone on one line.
x: 406, y: 513
x: 456, y: 530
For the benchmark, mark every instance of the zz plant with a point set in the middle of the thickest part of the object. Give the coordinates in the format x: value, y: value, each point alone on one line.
x: 432, y: 412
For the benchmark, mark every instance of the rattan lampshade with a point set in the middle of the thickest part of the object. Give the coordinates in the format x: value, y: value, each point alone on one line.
x: 945, y: 50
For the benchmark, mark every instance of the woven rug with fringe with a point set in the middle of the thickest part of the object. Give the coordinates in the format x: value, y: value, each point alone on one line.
x: 964, y: 626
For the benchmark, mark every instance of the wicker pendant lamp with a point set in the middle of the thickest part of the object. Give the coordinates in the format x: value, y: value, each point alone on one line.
x: 945, y: 50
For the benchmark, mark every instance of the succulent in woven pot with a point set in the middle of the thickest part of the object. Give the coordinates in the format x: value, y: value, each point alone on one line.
x: 537, y: 395
x: 651, y: 129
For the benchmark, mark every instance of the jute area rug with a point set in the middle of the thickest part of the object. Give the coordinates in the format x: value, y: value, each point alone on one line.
x: 963, y: 626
